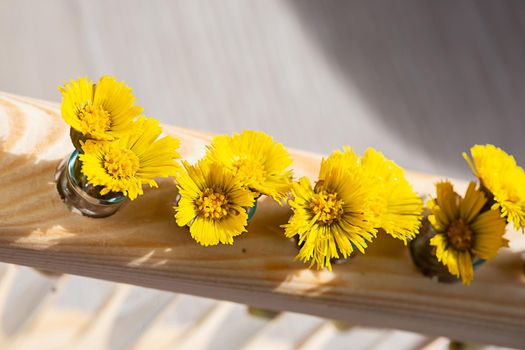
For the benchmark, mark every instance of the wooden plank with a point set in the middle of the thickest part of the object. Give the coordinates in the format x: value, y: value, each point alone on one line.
x: 142, y: 245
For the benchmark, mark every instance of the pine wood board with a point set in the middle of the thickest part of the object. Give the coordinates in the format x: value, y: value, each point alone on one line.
x: 142, y: 245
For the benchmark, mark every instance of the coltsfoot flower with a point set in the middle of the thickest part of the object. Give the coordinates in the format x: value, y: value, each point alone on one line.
x: 504, y: 180
x: 253, y: 157
x: 102, y: 111
x: 399, y: 212
x: 212, y: 203
x: 334, y: 217
x: 463, y: 230
x: 136, y: 159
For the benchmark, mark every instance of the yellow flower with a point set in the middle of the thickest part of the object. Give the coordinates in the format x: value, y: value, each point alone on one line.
x: 213, y: 203
x: 503, y: 178
x: 102, y: 111
x: 463, y: 230
x: 398, y: 208
x: 399, y: 212
x: 135, y: 159
x: 256, y: 160
x: 336, y: 216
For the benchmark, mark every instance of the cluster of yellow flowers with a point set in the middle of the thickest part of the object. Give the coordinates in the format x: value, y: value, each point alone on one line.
x: 354, y: 198
x: 472, y: 227
x: 217, y: 192
x: 119, y: 148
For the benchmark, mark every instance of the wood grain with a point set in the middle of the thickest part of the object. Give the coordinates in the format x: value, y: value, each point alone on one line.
x: 142, y: 245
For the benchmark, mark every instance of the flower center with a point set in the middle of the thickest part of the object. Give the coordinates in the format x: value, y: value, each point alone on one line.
x: 460, y: 235
x: 327, y: 206
x: 249, y: 171
x: 212, y: 205
x: 94, y: 119
x: 121, y: 163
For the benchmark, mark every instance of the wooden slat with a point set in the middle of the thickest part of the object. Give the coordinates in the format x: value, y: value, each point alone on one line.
x: 142, y: 245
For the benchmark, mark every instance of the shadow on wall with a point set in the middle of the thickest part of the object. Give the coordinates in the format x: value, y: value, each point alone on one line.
x: 443, y: 75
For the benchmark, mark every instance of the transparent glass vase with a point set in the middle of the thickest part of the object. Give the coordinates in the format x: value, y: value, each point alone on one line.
x: 251, y: 210
x: 424, y: 257
x: 79, y: 195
